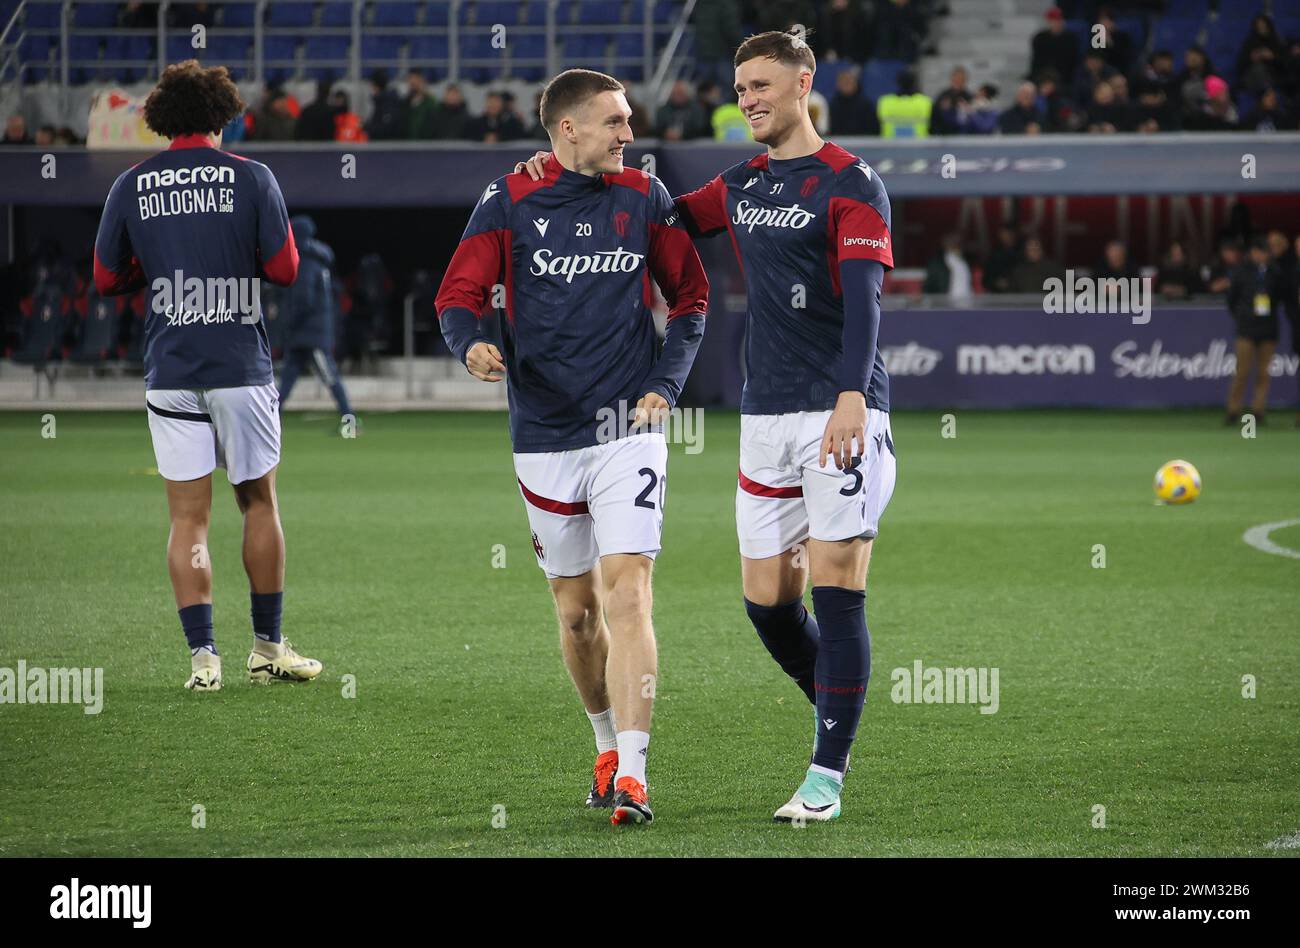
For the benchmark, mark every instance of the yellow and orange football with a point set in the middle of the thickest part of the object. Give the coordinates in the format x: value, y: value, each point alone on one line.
x: 1178, y: 482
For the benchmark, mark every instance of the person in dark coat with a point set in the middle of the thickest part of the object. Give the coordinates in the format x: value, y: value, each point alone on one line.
x: 309, y: 338
x: 1256, y: 296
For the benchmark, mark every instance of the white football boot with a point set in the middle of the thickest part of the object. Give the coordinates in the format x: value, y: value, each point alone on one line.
x: 279, y: 662
x: 205, y: 671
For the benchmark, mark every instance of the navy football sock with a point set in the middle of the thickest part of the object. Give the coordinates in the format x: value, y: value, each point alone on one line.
x: 266, y: 616
x: 197, y: 622
x: 790, y: 634
x: 843, y: 667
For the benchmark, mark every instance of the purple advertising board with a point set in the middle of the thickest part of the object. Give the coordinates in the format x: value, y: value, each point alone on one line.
x: 1022, y: 358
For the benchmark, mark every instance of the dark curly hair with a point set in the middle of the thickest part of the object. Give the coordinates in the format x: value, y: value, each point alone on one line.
x: 192, y: 100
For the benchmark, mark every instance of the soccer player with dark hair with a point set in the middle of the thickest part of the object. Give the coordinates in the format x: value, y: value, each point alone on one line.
x: 199, y: 228
x: 810, y: 223
x: 570, y: 256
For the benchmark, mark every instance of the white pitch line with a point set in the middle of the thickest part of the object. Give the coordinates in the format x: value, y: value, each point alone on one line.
x: 1258, y: 538
x: 1285, y: 842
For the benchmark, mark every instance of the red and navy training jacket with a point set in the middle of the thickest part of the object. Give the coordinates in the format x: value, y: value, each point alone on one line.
x: 205, y: 214
x: 570, y: 257
x: 812, y: 236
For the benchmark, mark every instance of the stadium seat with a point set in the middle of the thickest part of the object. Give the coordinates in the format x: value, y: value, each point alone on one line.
x: 1176, y: 34
x: 236, y: 14
x: 84, y: 49
x: 430, y: 48
x: 97, y: 329
x: 179, y: 48
x: 331, y: 48
x: 336, y: 14
x: 593, y: 12
x: 394, y: 14
x: 880, y: 77
x: 535, y: 13
x: 381, y: 50
x: 233, y: 52
x: 495, y: 12
x: 437, y: 13
x: 629, y: 56
x: 93, y: 15
x: 284, y: 13
x: 528, y: 48
x: 278, y: 56
x: 44, y: 323
x: 42, y: 16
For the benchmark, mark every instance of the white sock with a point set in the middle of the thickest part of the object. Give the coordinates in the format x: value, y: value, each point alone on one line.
x: 632, y: 747
x: 603, y: 725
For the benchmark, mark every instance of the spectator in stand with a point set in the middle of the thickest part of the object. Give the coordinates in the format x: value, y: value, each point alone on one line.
x: 1159, y: 98
x: 496, y: 124
x: 316, y: 123
x: 138, y: 16
x: 1002, y: 260
x: 276, y: 120
x: 453, y: 114
x: 16, y: 131
x: 851, y: 112
x: 1284, y: 258
x: 898, y: 30
x: 709, y: 95
x: 1177, y: 279
x: 639, y: 121
x: 905, y: 114
x: 983, y: 115
x: 1055, y: 48
x: 1217, y: 276
x: 1270, y: 115
x: 717, y: 34
x: 536, y: 129
x: 1059, y: 114
x: 387, y: 110
x: 1116, y: 44
x: 1106, y: 114
x: 1094, y: 72
x: 1023, y: 118
x: 951, y: 114
x: 1191, y: 81
x: 842, y: 32
x: 1158, y: 73
x: 1115, y: 264
x: 347, y: 124
x: 188, y: 15
x: 948, y: 273
x: 66, y: 136
x: 1217, y: 113
x: 1259, y: 63
x: 680, y: 118
x: 421, y: 109
x: 1289, y: 84
x: 1037, y: 268
x: 1255, y: 293
x: 44, y: 135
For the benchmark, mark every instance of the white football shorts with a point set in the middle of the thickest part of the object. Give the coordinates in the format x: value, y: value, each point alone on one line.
x: 784, y: 497
x: 595, y: 501
x: 197, y: 430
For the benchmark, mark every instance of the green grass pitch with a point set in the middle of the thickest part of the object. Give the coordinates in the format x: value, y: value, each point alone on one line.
x: 1120, y: 687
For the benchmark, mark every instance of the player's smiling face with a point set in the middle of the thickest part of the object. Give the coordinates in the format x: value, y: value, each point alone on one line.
x: 768, y: 92
x: 601, y: 130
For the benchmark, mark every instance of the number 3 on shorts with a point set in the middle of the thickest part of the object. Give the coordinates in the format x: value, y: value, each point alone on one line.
x: 856, y: 473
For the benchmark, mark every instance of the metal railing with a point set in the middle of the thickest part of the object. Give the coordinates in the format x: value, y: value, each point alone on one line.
x: 456, y: 20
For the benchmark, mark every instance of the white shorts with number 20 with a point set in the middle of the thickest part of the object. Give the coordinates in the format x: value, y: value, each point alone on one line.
x: 784, y: 496
x: 594, y: 501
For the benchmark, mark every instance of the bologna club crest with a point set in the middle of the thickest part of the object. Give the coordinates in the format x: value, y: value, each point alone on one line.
x: 809, y: 186
x: 620, y: 223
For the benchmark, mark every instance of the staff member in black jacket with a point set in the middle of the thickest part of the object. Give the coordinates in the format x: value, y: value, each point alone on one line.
x: 1255, y: 296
